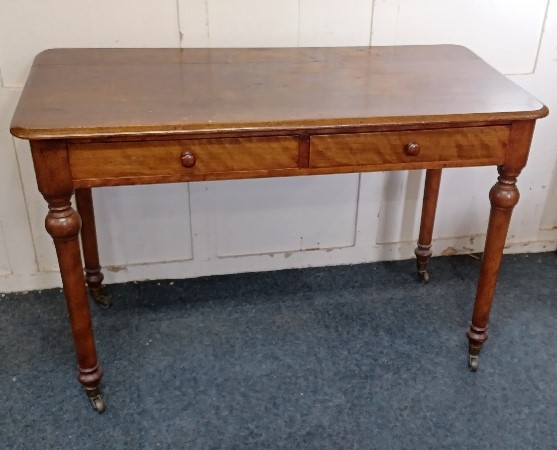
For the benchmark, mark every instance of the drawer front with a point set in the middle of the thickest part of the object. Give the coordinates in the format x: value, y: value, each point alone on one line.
x: 182, y: 157
x: 459, y: 146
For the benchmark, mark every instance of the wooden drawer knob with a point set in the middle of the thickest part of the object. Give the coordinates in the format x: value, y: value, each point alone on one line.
x: 188, y: 159
x: 412, y: 149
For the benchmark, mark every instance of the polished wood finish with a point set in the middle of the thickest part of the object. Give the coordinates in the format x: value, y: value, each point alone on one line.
x: 132, y: 162
x: 475, y: 146
x: 503, y: 196
x: 166, y: 158
x: 50, y: 159
x: 429, y: 206
x: 412, y: 149
x: 105, y: 117
x: 140, y: 92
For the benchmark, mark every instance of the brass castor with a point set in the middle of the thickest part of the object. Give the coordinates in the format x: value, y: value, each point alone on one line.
x: 98, y: 404
x: 473, y: 357
x: 96, y: 400
x: 424, y: 275
x: 101, y: 299
x: 421, y: 266
x: 473, y: 361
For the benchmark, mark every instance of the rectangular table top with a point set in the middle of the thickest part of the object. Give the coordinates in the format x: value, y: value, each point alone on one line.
x: 95, y: 93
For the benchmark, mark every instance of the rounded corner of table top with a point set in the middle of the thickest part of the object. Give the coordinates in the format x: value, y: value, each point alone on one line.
x: 45, y: 56
x: 542, y: 112
x: 19, y: 132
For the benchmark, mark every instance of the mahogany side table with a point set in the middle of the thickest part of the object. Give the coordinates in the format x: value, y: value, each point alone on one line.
x: 108, y: 117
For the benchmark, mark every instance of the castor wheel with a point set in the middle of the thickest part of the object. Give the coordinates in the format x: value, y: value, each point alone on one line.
x: 103, y: 300
x: 96, y: 400
x: 473, y: 361
x: 98, y: 404
x: 424, y: 275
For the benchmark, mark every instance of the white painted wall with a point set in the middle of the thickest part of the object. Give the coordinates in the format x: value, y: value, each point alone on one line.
x: 252, y: 225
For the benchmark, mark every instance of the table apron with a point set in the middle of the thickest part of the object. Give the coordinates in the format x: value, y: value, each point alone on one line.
x: 181, y: 160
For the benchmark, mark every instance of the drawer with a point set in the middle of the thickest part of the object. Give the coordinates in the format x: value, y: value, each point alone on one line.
x: 458, y: 146
x: 178, y: 158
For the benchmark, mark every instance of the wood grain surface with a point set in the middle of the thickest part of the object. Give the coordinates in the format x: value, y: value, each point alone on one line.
x: 109, y: 92
x: 150, y: 158
x: 473, y: 145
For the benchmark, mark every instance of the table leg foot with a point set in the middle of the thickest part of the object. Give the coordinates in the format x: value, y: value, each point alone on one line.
x: 96, y: 400
x: 473, y: 358
x: 476, y: 338
x: 94, y: 278
x: 473, y: 361
x: 101, y: 298
x: 422, y: 272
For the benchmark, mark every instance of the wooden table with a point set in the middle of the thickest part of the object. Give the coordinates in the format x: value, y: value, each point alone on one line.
x: 107, y: 117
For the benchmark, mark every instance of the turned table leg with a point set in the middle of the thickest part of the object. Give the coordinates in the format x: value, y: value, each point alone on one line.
x: 63, y: 224
x: 431, y: 193
x: 93, y: 274
x: 503, y: 196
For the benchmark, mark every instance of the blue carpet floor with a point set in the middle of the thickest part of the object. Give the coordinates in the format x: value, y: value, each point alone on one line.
x: 351, y: 357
